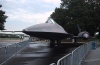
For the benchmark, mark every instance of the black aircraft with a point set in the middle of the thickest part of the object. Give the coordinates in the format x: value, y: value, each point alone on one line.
x: 48, y: 30
x: 52, y: 31
x: 82, y: 34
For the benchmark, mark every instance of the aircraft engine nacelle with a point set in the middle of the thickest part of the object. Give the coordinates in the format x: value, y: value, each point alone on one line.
x: 84, y: 35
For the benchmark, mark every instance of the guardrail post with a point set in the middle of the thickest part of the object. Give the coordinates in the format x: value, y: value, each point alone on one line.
x: 8, y: 51
x: 71, y: 59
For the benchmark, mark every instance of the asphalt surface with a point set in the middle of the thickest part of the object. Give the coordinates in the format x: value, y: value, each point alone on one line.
x: 6, y: 42
x: 93, y: 57
x: 39, y: 53
x: 3, y: 44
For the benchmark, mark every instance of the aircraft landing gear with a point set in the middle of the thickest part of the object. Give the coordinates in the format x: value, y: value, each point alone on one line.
x: 54, y: 42
x: 58, y: 43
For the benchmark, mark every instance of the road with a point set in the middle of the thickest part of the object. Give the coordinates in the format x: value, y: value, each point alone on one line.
x: 7, y: 41
x: 39, y: 53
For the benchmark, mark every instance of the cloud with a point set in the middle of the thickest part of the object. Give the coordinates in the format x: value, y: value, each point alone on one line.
x: 27, y: 16
x: 52, y: 1
x: 25, y: 19
x: 21, y: 1
x: 27, y: 12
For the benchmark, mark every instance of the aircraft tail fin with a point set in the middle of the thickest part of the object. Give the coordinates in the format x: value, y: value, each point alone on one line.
x: 79, y: 29
x: 50, y: 20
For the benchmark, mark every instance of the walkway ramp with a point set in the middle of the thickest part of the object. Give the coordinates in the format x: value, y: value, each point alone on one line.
x: 39, y: 53
x: 93, y: 57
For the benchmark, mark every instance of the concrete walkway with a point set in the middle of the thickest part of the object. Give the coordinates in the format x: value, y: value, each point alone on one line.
x: 93, y: 57
x: 39, y: 53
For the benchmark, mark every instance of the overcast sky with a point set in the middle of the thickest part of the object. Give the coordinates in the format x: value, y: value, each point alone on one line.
x: 25, y: 13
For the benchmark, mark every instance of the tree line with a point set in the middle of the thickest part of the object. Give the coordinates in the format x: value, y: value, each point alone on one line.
x: 3, y: 18
x: 85, y: 13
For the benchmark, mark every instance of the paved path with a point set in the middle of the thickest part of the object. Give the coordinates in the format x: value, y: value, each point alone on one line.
x: 39, y: 54
x: 93, y: 57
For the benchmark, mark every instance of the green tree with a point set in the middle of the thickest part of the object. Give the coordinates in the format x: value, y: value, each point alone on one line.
x: 2, y: 18
x: 85, y: 13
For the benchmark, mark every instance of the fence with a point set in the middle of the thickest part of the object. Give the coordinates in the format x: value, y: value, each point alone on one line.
x: 76, y: 56
x: 8, y: 51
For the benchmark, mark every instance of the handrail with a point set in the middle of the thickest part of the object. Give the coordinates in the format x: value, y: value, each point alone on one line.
x: 63, y: 58
x: 8, y: 51
x: 76, y: 56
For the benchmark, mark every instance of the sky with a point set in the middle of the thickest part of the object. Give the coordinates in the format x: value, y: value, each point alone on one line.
x: 24, y: 13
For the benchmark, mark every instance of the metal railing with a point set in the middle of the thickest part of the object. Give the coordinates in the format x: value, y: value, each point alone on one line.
x: 76, y: 56
x: 8, y: 51
x: 79, y: 53
x: 66, y: 60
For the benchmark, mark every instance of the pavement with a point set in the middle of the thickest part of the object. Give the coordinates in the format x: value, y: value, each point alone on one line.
x: 93, y: 57
x: 5, y: 42
x: 39, y: 53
